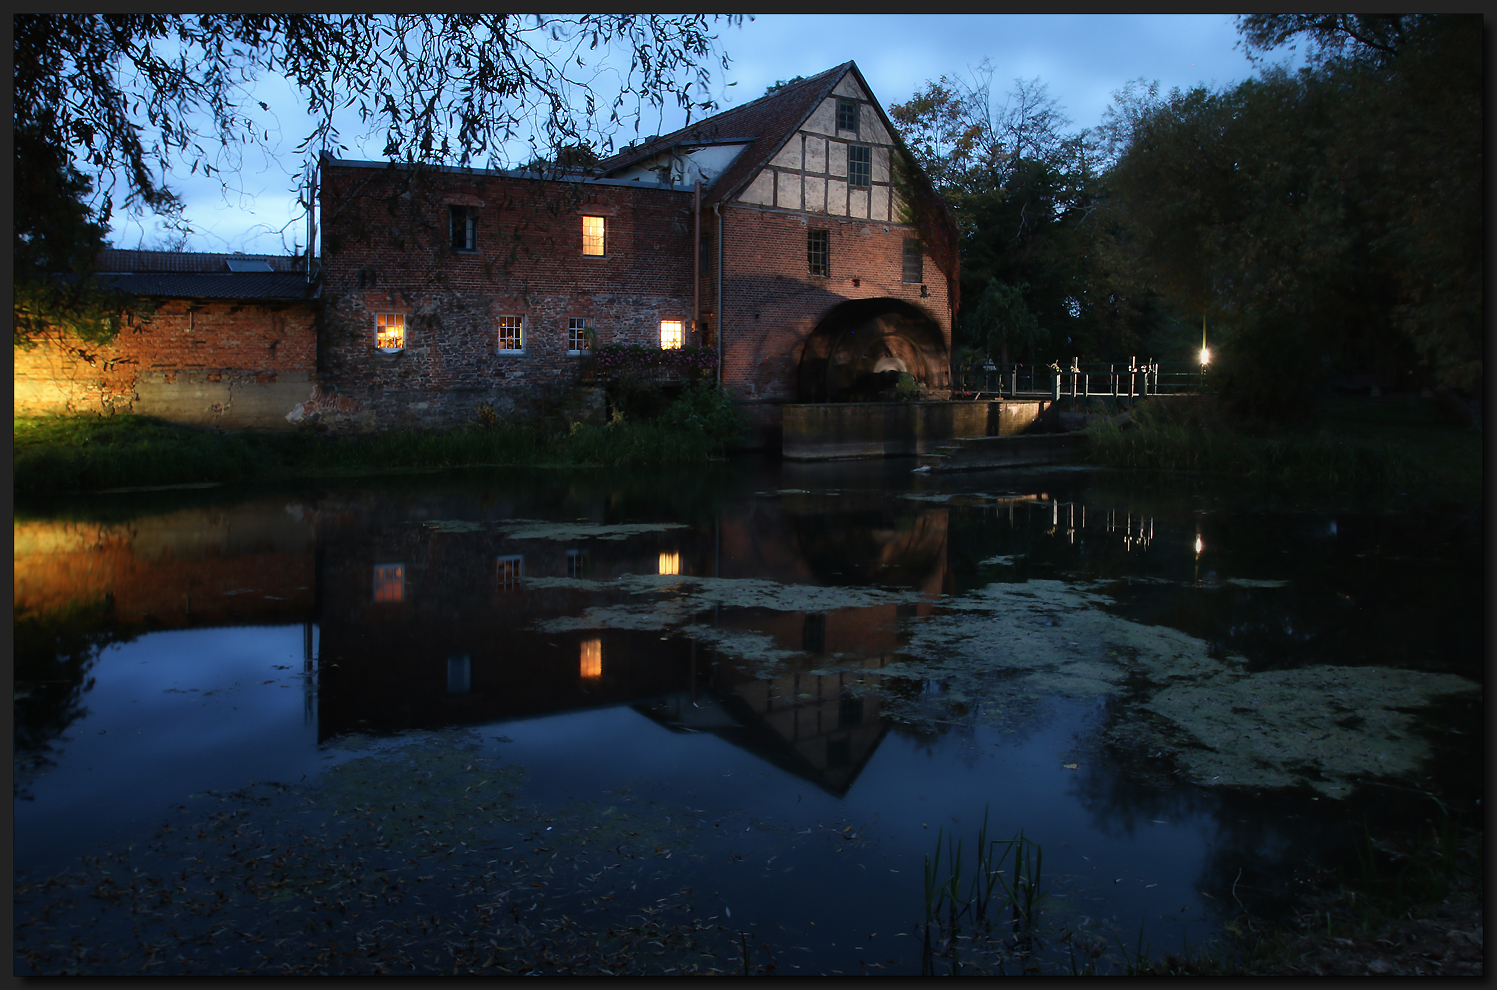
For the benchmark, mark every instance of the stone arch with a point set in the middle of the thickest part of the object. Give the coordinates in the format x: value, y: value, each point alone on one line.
x: 860, y: 347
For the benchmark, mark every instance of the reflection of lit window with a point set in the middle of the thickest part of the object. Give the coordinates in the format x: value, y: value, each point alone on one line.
x: 511, y: 570
x: 576, y: 563
x: 389, y: 582
x: 592, y: 659
x: 670, y: 563
x: 459, y: 675
x: 592, y: 235
x: 670, y: 334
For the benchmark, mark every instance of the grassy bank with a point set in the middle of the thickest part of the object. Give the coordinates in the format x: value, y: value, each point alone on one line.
x: 1351, y: 443
x: 87, y: 453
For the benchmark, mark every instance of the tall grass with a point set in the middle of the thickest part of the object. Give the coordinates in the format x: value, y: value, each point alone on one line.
x: 80, y: 453
x: 1343, y: 448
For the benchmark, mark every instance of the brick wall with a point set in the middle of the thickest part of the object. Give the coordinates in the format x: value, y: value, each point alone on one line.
x: 387, y: 249
x: 221, y: 363
x: 773, y: 303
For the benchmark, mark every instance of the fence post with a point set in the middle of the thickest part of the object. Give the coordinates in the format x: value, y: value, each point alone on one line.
x: 1055, y: 387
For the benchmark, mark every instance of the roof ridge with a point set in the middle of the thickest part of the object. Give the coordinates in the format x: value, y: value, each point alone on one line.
x: 662, y: 142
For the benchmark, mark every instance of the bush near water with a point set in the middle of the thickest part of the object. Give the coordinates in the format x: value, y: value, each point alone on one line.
x: 76, y: 453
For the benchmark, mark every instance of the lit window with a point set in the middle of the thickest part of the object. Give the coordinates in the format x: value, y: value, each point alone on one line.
x: 592, y: 235
x: 671, y: 332
x: 670, y: 563
x: 463, y: 225
x: 914, y: 261
x: 577, y: 334
x: 859, y: 165
x: 819, y: 251
x: 389, y: 582
x: 511, y: 333
x: 389, y: 331
x: 459, y: 675
x: 592, y: 658
x: 511, y: 572
x: 847, y: 115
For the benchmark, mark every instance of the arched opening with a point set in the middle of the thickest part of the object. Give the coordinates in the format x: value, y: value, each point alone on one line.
x: 861, y: 347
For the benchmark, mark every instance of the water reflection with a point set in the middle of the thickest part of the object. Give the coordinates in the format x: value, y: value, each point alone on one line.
x: 780, y: 623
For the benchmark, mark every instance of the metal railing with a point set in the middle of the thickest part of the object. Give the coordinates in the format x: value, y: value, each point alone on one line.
x: 1134, y: 380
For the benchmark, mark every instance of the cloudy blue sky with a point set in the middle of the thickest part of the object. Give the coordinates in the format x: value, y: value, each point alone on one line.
x: 1082, y: 58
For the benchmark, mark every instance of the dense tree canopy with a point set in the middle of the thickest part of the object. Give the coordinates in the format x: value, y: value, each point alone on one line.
x: 136, y: 95
x: 1328, y: 218
x: 1322, y: 221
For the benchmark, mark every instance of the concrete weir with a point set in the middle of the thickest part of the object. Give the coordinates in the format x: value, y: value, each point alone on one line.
x: 841, y: 430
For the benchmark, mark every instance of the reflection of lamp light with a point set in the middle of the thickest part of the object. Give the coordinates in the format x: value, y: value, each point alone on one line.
x: 670, y: 563
x: 592, y: 659
x: 1199, y: 545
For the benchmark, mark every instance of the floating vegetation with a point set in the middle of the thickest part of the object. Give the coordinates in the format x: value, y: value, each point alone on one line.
x: 1322, y: 726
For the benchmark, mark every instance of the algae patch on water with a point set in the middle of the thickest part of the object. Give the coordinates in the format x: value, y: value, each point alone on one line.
x: 1320, y: 726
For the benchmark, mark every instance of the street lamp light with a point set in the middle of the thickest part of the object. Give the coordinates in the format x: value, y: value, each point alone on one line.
x: 1205, y: 352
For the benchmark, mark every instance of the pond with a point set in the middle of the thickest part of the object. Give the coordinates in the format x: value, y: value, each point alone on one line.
x: 720, y: 719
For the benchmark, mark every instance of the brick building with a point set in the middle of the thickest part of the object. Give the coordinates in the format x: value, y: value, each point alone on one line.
x: 772, y: 234
x: 232, y: 343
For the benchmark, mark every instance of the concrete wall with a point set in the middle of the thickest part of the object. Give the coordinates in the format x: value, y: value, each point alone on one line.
x: 828, y: 431
x: 220, y: 363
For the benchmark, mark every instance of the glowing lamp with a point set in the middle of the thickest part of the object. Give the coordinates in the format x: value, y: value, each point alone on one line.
x: 1205, y: 357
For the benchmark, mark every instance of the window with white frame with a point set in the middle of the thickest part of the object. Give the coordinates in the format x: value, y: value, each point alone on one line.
x: 671, y: 334
x: 592, y: 236
x: 389, y: 331
x: 463, y: 226
x: 578, y: 332
x: 511, y: 572
x: 511, y: 333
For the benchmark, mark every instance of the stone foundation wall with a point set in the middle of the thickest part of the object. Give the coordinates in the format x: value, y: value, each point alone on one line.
x: 826, y: 431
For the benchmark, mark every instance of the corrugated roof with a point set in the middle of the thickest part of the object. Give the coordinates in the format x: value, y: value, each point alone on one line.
x: 129, y: 260
x: 768, y: 121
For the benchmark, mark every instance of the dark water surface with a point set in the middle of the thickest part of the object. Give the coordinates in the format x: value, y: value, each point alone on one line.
x: 761, y: 691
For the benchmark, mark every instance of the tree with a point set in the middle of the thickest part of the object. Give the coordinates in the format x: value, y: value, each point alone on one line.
x: 136, y: 92
x: 56, y: 231
x: 133, y: 95
x: 1001, y: 319
x: 780, y: 84
x: 1321, y: 219
x: 1034, y: 215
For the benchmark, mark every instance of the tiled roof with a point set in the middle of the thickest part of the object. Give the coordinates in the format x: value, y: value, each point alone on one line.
x: 127, y: 260
x: 768, y: 122
x: 215, y: 285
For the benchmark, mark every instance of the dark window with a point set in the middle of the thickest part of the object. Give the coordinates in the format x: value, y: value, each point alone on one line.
x: 813, y: 634
x: 847, y: 115
x: 914, y: 261
x: 464, y: 227
x: 859, y: 165
x: 819, y: 251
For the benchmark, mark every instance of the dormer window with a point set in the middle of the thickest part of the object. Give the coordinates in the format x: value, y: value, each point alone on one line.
x: 847, y: 115
x: 463, y: 226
